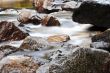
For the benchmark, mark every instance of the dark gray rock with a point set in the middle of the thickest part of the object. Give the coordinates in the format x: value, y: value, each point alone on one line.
x: 91, y: 12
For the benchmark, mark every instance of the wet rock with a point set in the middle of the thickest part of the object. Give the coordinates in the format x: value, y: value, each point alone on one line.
x: 78, y: 60
x: 19, y: 64
x: 92, y: 12
x: 50, y: 21
x: 58, y: 38
x: 9, y: 32
x: 35, y: 44
x: 69, y: 6
x: 6, y: 50
x: 45, y: 6
x: 26, y: 17
x: 102, y: 40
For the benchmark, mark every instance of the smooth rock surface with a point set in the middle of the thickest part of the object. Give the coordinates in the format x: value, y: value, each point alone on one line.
x: 58, y: 38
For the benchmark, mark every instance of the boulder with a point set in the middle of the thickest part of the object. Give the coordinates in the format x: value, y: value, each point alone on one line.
x: 6, y: 50
x: 78, y: 60
x: 50, y: 21
x: 18, y: 64
x: 102, y: 40
x: 9, y: 32
x: 35, y: 44
x: 58, y: 38
x: 92, y: 12
x: 26, y: 16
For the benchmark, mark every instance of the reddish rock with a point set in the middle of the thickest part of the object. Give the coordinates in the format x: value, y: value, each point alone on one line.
x: 50, y: 21
x: 45, y: 6
x: 9, y: 32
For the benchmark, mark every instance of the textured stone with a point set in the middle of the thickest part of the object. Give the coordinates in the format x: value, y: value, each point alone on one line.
x: 58, y: 38
x: 19, y: 65
x: 9, y: 32
x: 35, y: 43
x: 102, y: 40
x: 78, y: 60
x: 26, y: 17
x: 6, y: 50
x: 92, y: 12
x: 50, y: 21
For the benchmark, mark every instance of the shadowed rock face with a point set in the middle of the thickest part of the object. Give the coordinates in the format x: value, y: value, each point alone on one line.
x: 8, y: 32
x: 92, y: 13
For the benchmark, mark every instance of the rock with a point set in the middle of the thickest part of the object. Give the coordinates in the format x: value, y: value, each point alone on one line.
x: 50, y: 21
x: 58, y: 38
x: 19, y: 64
x: 9, y: 32
x: 78, y: 60
x: 69, y: 6
x: 92, y: 12
x: 35, y: 44
x: 44, y: 6
x: 102, y: 40
x: 6, y: 50
x: 38, y: 4
x: 26, y: 16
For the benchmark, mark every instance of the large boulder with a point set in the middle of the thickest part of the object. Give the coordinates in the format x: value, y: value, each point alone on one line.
x: 92, y: 12
x: 78, y: 60
x: 9, y: 32
x: 101, y: 40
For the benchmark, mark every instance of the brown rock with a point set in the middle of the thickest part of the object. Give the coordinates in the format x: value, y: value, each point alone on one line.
x: 45, y: 6
x: 9, y: 32
x: 20, y: 65
x: 50, y: 21
x: 58, y: 38
x: 41, y: 5
x: 6, y: 50
x: 26, y: 17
